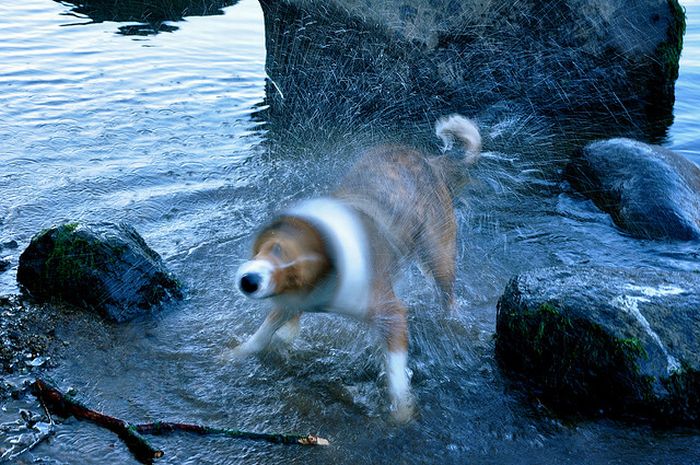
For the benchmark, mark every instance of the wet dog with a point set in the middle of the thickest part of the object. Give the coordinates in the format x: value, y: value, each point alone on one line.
x: 342, y: 253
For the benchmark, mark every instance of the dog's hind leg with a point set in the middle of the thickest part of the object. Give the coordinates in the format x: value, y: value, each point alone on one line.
x: 389, y: 316
x: 437, y: 252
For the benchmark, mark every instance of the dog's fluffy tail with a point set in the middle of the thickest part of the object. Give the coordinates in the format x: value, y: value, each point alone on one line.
x: 464, y: 131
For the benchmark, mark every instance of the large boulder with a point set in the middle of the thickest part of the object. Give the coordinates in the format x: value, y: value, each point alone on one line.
x: 624, y: 342
x: 407, y: 59
x: 105, y: 267
x: 649, y: 191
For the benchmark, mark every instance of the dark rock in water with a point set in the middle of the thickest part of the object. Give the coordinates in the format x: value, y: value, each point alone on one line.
x: 406, y: 60
x: 649, y: 191
x: 4, y: 264
x: 622, y: 341
x: 105, y: 267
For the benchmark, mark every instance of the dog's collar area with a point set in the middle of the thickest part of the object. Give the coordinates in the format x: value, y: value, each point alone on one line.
x: 347, y: 244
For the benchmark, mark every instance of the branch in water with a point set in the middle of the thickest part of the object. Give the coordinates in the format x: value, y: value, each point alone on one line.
x: 160, y: 427
x: 64, y: 405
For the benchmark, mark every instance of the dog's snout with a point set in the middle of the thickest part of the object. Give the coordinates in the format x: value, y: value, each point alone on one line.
x: 250, y: 282
x: 254, y: 279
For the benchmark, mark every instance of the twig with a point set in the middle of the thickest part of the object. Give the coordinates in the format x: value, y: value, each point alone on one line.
x: 131, y: 434
x: 48, y: 414
x: 160, y: 427
x: 66, y: 406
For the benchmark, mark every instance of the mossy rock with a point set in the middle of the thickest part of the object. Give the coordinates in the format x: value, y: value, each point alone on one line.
x: 618, y: 341
x: 104, y: 267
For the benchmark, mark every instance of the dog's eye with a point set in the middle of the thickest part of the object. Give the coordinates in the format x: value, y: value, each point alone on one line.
x: 277, y: 250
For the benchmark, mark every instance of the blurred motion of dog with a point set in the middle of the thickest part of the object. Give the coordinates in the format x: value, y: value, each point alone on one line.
x: 342, y: 253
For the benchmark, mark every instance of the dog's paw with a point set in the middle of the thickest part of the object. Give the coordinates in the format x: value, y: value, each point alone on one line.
x: 403, y: 410
x: 236, y: 354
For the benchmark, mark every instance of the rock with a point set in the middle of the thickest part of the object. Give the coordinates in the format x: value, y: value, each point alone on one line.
x: 5, y: 264
x: 621, y: 341
x: 405, y: 59
x: 649, y: 191
x: 105, y: 267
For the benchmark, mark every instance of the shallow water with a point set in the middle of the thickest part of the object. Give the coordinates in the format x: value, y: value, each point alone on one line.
x: 167, y: 132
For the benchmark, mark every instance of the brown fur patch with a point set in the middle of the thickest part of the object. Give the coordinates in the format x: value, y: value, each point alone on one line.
x: 297, y: 251
x: 410, y: 197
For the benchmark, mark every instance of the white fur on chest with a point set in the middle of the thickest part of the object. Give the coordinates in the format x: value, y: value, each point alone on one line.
x: 346, y: 239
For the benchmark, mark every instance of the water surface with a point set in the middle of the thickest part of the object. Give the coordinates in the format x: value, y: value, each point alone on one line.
x: 167, y: 132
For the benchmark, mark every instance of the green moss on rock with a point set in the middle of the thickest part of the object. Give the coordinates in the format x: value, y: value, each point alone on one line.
x: 568, y: 359
x: 580, y: 341
x: 106, y: 267
x: 71, y: 255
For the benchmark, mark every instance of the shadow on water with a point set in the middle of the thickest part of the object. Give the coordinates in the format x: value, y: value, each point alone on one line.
x: 153, y: 15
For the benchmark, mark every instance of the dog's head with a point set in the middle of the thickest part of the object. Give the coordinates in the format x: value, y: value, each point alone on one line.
x: 289, y: 257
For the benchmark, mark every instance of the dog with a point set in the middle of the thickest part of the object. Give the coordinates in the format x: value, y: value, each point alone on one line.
x: 342, y: 253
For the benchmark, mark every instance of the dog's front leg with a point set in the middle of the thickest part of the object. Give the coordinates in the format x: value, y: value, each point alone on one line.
x: 277, y: 318
x: 392, y: 324
x: 290, y: 330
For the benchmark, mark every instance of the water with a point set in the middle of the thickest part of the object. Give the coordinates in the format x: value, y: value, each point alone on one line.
x: 99, y: 121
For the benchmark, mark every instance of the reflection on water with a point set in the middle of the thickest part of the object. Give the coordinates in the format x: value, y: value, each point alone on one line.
x: 172, y: 134
x: 152, y: 14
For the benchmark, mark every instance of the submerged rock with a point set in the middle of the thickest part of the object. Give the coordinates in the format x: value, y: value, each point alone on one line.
x: 649, y: 191
x: 622, y: 341
x: 105, y: 267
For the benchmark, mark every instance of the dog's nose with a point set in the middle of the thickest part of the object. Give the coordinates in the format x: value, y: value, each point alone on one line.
x: 250, y: 282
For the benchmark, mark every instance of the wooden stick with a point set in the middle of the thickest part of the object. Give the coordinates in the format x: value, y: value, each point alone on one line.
x: 161, y: 427
x: 64, y: 405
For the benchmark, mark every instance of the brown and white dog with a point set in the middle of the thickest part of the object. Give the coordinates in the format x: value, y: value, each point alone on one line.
x: 342, y: 253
